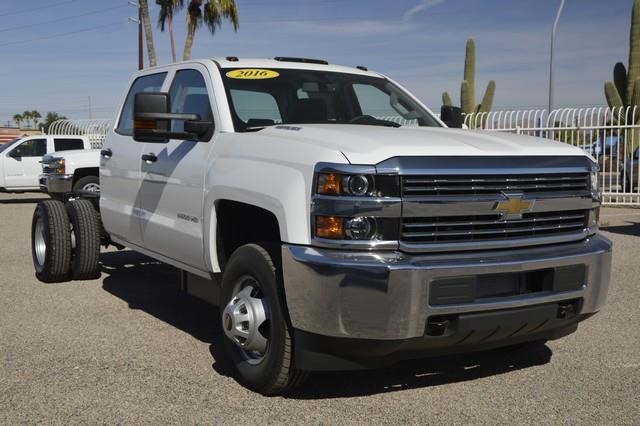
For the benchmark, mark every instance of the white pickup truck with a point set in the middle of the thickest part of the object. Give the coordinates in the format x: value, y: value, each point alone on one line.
x: 336, y: 222
x: 20, y: 159
x: 70, y: 173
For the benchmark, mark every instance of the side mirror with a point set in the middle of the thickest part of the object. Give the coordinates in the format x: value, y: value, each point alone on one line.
x: 152, y: 120
x: 16, y: 153
x: 451, y: 116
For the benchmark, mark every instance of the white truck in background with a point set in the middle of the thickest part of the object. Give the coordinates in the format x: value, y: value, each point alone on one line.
x: 70, y: 172
x: 330, y: 236
x: 20, y: 159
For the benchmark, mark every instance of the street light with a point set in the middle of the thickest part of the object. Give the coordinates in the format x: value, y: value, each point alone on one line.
x: 553, y: 36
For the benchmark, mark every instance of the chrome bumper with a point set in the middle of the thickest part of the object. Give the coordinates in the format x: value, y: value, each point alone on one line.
x: 385, y: 295
x: 56, y: 183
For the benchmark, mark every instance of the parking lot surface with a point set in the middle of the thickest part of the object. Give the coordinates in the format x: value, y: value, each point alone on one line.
x: 130, y: 348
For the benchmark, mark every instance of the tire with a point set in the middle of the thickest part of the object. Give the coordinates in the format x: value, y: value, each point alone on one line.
x: 51, y: 242
x: 87, y: 184
x: 85, y: 224
x: 251, y: 276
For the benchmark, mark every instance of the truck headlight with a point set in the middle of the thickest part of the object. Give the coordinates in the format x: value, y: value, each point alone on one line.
x: 342, y: 228
x: 359, y: 228
x: 357, y: 185
x: 59, y: 165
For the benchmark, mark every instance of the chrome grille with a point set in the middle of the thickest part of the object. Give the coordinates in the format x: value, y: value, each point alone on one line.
x: 48, y: 168
x: 491, y: 227
x: 572, y: 183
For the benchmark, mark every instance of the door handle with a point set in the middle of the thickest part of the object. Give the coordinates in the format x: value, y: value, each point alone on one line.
x: 106, y: 153
x: 149, y: 158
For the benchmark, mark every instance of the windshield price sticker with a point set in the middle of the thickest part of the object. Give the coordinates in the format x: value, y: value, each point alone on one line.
x: 252, y: 74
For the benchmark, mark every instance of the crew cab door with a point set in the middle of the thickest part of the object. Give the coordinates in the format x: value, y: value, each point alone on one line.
x: 120, y: 164
x: 173, y: 181
x: 21, y: 163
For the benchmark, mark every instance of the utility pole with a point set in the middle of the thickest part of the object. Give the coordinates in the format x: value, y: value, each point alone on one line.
x: 90, y: 114
x: 553, y: 36
x: 139, y: 22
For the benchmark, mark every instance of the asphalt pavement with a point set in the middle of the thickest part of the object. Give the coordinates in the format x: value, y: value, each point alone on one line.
x: 130, y: 348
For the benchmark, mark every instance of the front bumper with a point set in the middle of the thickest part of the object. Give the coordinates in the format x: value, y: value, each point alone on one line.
x: 56, y: 183
x: 385, y: 296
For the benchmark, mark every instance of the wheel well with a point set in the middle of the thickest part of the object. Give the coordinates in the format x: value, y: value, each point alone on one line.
x: 240, y: 223
x: 87, y: 171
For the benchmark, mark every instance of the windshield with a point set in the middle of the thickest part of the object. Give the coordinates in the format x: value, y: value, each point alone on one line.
x: 8, y: 144
x: 264, y: 97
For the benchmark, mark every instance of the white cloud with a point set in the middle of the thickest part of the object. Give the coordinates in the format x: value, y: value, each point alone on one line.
x: 422, y: 5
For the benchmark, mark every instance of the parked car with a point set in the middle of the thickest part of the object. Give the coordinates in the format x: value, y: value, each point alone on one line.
x: 607, y: 145
x: 630, y: 172
x: 20, y: 160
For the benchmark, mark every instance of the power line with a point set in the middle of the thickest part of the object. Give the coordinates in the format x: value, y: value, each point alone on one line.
x: 31, y: 9
x: 51, y: 21
x: 47, y: 37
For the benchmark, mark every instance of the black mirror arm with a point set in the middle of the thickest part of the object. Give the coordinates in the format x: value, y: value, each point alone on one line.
x: 166, y: 116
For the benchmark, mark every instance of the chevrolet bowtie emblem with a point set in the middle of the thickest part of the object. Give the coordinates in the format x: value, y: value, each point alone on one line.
x: 513, y: 206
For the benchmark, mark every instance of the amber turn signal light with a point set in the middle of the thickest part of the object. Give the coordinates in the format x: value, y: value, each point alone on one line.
x: 329, y: 227
x: 144, y: 124
x: 328, y: 184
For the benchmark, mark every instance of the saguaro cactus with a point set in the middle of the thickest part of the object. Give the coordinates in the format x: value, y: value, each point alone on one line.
x: 467, y: 88
x: 624, y: 90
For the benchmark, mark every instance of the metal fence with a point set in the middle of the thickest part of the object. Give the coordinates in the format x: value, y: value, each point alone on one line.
x: 95, y: 130
x: 611, y: 136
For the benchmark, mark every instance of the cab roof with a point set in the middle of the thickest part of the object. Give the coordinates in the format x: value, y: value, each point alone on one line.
x: 289, y: 63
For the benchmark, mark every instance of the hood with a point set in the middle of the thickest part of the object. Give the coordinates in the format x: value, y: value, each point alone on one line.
x: 362, y: 144
x: 72, y: 153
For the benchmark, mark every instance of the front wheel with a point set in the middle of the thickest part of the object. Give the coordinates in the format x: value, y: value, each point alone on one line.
x: 258, y: 337
x: 87, y: 184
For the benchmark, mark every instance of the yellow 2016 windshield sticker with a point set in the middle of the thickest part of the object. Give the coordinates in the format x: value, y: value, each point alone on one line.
x: 252, y: 74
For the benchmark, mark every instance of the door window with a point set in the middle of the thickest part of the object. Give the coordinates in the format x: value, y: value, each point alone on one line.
x: 188, y: 95
x: 147, y: 83
x: 33, y: 148
x: 67, y: 144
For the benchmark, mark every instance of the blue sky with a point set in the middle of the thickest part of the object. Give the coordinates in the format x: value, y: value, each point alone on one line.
x: 64, y: 55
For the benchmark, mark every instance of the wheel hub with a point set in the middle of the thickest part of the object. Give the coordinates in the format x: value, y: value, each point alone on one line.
x: 242, y: 318
x: 40, y: 244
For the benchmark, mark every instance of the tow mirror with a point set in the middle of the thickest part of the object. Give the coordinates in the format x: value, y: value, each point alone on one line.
x: 451, y: 116
x: 152, y: 120
x: 16, y: 153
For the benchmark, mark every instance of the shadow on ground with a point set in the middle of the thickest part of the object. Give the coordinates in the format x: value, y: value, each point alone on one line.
x: 154, y: 287
x: 631, y: 229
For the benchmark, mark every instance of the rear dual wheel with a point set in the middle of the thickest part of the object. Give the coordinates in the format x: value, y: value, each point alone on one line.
x: 65, y: 241
x: 51, y: 242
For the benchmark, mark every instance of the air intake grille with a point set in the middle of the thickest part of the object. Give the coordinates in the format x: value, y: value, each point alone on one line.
x: 491, y: 227
x: 494, y: 184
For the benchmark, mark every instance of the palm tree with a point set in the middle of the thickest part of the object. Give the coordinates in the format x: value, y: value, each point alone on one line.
x: 26, y: 116
x: 51, y: 118
x: 35, y: 116
x: 167, y: 9
x: 18, y: 119
x: 148, y: 33
x: 214, y: 12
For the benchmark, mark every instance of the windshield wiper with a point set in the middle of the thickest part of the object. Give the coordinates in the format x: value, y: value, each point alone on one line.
x: 372, y: 121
